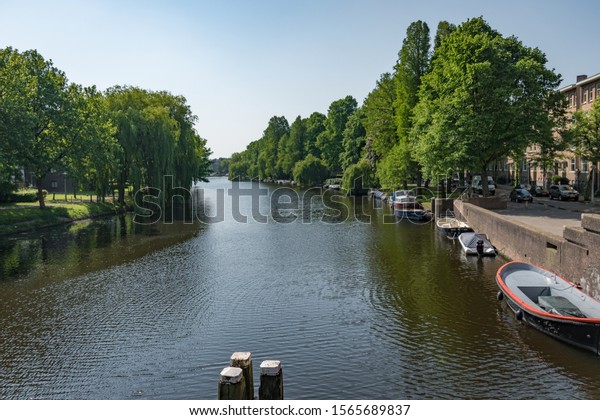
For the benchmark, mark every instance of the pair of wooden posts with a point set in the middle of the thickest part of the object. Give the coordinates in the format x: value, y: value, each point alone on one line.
x: 237, y: 381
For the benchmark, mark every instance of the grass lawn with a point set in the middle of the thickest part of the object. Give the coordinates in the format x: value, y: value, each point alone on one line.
x: 20, y: 217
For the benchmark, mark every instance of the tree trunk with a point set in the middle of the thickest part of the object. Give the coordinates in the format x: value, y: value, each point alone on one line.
x: 39, y: 181
x: 484, y: 181
x: 121, y: 188
x: 588, y: 186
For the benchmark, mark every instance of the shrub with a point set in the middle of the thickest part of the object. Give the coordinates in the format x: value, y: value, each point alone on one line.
x: 26, y: 196
x: 7, y: 189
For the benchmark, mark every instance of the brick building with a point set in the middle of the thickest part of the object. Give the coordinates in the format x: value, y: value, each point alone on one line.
x: 580, y: 95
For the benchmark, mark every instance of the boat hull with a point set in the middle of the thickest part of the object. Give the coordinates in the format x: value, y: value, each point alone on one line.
x: 550, y: 304
x: 583, y: 335
x: 411, y: 214
x: 452, y: 228
x: 411, y: 210
x: 465, y: 243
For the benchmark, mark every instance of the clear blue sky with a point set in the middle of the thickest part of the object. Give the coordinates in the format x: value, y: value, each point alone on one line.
x: 240, y: 62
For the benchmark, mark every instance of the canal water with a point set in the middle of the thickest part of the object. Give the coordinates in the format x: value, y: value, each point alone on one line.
x: 354, y: 306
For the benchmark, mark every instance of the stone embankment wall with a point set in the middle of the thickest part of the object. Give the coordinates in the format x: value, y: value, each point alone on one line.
x: 575, y: 256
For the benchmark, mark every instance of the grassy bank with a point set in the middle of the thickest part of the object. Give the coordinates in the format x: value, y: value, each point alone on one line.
x: 23, y: 217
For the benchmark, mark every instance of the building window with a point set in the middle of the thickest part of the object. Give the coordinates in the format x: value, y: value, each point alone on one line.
x: 54, y: 184
x: 573, y: 165
x: 584, y: 96
x: 584, y: 165
x: 591, y: 93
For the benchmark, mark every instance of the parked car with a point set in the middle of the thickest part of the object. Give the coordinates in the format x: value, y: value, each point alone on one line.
x: 478, y: 188
x: 520, y: 195
x: 563, y: 192
x: 538, y: 191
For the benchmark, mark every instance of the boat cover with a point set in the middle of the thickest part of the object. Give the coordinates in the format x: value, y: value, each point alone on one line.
x: 470, y: 240
x: 559, y: 305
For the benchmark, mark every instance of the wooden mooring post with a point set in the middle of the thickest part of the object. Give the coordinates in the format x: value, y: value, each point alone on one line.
x: 243, y: 360
x: 232, y: 385
x: 271, y: 380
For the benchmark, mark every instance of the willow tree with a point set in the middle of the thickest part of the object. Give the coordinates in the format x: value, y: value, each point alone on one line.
x: 156, y: 134
x: 94, y: 164
x: 484, y: 98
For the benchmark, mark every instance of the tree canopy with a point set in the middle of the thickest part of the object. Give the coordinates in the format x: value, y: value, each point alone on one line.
x: 48, y: 123
x: 473, y: 98
x: 128, y: 136
x: 485, y: 97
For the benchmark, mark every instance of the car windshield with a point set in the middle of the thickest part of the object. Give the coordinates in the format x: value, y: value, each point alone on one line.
x: 565, y: 188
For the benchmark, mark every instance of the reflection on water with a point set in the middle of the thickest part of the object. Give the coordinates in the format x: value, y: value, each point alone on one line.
x: 111, y: 309
x: 85, y: 247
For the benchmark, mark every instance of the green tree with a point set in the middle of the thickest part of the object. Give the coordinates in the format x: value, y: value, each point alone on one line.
x: 94, y: 166
x: 412, y: 65
x: 443, y: 30
x: 315, y: 125
x: 291, y: 147
x: 329, y: 141
x: 238, y: 166
x: 585, y: 139
x: 358, y: 178
x: 310, y: 171
x: 484, y: 98
x: 277, y: 128
x: 379, y: 112
x: 394, y: 168
x: 157, y: 138
x: 47, y: 122
x: 353, y: 140
x: 223, y: 166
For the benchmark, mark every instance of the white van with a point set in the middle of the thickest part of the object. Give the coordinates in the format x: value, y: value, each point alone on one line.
x: 477, y: 187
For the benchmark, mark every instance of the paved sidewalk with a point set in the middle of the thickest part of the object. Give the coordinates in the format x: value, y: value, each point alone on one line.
x: 545, y: 214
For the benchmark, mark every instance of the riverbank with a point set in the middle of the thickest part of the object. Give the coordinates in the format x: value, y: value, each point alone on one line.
x: 28, y: 217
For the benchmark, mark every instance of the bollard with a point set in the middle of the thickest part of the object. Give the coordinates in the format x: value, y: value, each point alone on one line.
x: 232, y: 385
x: 271, y: 380
x: 243, y: 360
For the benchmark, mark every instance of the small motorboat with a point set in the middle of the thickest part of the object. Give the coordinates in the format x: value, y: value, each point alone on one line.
x: 476, y: 244
x: 550, y: 304
x: 452, y: 227
x: 406, y: 206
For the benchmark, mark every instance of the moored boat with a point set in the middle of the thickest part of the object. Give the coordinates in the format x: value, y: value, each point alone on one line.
x: 476, y: 244
x: 452, y: 227
x: 406, y: 206
x: 550, y: 304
